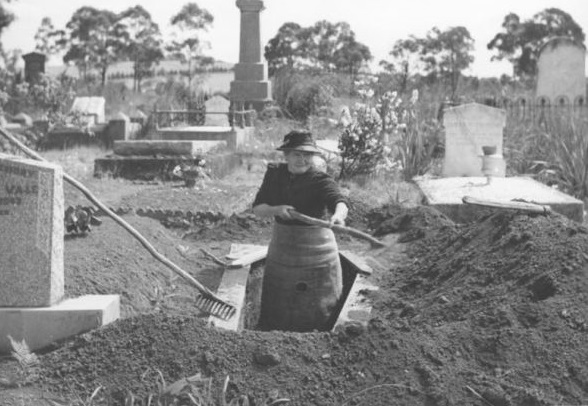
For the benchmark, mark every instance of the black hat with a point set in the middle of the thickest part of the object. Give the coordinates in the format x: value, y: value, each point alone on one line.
x: 299, y: 141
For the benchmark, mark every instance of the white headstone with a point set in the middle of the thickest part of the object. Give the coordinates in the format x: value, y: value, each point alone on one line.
x: 91, y: 108
x: 561, y: 77
x: 214, y: 105
x: 468, y: 128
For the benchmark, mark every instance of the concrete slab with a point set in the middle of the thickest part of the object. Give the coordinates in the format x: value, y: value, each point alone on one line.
x: 233, y: 136
x: 356, y: 310
x: 194, y: 133
x: 42, y: 326
x: 445, y: 194
x: 171, y: 147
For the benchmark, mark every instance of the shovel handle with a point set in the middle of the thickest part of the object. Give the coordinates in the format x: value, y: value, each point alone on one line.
x: 509, y: 205
x: 336, y: 227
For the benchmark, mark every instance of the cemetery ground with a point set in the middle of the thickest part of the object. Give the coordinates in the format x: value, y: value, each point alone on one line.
x: 489, y: 313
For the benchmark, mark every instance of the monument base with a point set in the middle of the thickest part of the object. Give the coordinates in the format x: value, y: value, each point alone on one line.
x: 164, y: 147
x: 445, y: 194
x: 41, y: 326
x: 149, y: 168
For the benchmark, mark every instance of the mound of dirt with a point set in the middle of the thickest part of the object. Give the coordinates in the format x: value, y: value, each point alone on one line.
x: 491, y: 313
x: 108, y: 260
x: 412, y: 223
x: 500, y: 305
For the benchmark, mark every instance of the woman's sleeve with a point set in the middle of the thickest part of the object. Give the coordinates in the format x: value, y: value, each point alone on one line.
x: 263, y: 194
x: 332, y: 193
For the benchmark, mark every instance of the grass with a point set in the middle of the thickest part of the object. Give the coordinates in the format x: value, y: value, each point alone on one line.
x: 553, y: 150
x: 77, y: 162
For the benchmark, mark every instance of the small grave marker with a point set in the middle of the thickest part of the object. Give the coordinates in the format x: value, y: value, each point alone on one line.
x: 91, y: 108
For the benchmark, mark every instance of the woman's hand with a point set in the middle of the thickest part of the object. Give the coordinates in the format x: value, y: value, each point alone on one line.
x: 340, y: 214
x: 265, y: 210
x: 283, y: 211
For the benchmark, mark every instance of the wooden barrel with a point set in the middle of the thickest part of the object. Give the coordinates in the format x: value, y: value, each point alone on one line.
x: 302, y: 283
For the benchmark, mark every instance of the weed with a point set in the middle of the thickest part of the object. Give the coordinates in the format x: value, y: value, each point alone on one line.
x: 28, y: 363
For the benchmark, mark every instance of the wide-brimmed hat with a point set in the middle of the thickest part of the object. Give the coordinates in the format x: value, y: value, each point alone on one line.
x: 299, y: 141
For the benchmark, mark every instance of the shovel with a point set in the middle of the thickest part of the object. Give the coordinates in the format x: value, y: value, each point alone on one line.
x: 207, y: 301
x: 336, y: 227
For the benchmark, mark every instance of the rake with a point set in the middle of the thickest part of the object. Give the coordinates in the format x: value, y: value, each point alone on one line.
x: 206, y: 301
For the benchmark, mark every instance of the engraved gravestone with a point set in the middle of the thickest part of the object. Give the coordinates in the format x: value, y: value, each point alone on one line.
x: 468, y: 128
x: 31, y: 237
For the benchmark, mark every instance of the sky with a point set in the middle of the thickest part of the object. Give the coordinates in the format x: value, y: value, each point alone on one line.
x: 376, y: 23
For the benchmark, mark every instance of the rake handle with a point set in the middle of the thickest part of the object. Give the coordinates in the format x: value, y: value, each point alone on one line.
x: 203, y: 290
x: 336, y: 227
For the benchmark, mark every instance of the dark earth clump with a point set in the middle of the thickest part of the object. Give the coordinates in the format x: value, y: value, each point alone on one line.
x: 490, y: 313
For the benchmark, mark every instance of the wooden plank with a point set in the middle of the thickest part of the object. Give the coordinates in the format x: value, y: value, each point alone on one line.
x: 358, y: 262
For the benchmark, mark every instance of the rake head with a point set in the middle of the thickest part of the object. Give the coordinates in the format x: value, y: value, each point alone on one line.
x: 215, y: 307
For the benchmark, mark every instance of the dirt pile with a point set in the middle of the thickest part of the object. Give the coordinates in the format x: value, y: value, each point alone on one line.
x: 108, y: 260
x: 491, y: 313
x: 500, y: 305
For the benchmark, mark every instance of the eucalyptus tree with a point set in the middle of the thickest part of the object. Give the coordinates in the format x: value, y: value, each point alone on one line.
x: 186, y: 44
x: 138, y: 37
x: 519, y: 41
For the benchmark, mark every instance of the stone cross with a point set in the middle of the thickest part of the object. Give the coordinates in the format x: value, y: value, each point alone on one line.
x: 468, y: 128
x: 31, y: 237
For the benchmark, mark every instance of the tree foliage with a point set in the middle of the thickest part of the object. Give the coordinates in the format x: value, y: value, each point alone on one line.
x: 405, y: 61
x: 48, y: 39
x: 6, y: 16
x: 186, y: 44
x: 447, y: 53
x: 139, y: 37
x: 324, y: 46
x: 520, y: 41
x: 89, y: 41
x: 442, y: 55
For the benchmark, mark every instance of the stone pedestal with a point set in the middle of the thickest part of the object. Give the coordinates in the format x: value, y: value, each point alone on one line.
x: 251, y: 87
x: 39, y: 327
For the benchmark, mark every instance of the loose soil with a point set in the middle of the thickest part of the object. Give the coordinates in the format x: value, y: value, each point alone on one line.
x: 494, y: 312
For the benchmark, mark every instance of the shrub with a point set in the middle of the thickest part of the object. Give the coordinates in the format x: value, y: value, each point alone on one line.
x: 309, y: 98
x: 361, y: 146
x: 301, y: 95
x: 565, y: 144
x: 387, y: 133
x: 418, y: 140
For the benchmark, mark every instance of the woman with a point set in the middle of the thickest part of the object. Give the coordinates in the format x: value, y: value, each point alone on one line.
x: 302, y: 282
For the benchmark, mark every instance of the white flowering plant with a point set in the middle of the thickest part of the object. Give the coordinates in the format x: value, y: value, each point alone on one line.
x: 387, y: 134
x: 361, y: 146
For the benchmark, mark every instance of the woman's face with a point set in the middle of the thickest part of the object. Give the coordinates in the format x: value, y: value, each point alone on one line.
x: 298, y: 161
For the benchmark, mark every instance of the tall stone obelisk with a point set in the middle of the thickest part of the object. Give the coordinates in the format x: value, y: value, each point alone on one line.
x: 251, y: 87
